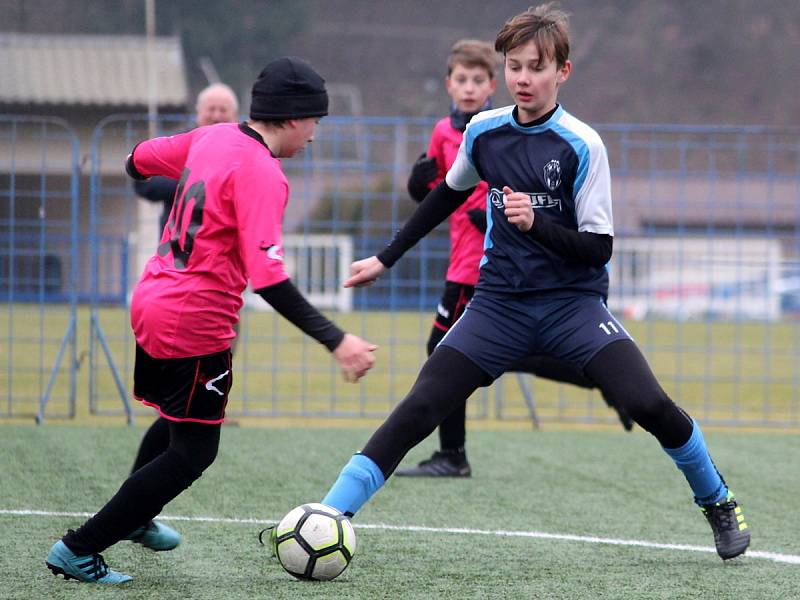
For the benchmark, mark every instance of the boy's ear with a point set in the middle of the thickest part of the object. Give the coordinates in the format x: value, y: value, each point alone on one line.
x: 493, y: 85
x: 564, y: 72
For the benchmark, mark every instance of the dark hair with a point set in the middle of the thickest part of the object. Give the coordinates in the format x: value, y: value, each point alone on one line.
x: 545, y: 25
x: 472, y: 53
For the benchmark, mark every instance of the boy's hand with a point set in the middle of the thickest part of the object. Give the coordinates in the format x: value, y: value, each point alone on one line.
x: 422, y: 173
x: 518, y: 209
x: 365, y: 272
x: 354, y: 356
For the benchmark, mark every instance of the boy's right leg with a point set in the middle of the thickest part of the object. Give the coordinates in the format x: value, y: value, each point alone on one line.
x: 154, y: 534
x: 433, y: 397
x: 193, y: 447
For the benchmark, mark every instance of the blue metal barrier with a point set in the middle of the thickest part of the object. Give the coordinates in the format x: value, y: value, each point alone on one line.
x: 39, y: 263
x: 705, y: 270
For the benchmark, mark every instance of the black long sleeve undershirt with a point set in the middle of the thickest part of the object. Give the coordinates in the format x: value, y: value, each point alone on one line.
x: 439, y: 204
x: 287, y: 300
x: 593, y: 249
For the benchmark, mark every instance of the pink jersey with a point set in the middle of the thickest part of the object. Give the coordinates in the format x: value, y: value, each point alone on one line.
x: 466, y: 241
x: 225, y: 228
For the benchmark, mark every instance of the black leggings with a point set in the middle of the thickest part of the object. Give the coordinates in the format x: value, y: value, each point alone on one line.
x: 452, y: 431
x: 619, y: 370
x: 191, y: 449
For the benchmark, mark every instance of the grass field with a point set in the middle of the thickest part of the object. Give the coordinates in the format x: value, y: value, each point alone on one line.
x: 537, y: 520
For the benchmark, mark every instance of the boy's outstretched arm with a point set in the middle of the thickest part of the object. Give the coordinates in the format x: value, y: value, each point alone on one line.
x: 439, y: 204
x: 354, y: 356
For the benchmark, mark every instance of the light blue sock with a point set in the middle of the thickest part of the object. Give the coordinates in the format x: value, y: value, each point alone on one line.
x: 694, y: 461
x: 359, y: 480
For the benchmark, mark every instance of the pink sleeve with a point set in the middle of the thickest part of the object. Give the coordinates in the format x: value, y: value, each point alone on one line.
x: 436, y: 151
x: 260, y: 199
x: 165, y: 156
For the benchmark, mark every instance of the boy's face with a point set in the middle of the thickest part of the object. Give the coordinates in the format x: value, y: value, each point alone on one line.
x: 533, y: 86
x: 296, y: 134
x: 469, y: 87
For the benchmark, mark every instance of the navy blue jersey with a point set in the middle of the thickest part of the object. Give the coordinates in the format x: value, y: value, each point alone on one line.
x: 563, y: 166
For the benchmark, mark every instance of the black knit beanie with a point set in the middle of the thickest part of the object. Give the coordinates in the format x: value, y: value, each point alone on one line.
x: 288, y: 88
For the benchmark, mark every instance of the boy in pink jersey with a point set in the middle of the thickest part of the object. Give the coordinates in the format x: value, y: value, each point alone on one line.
x: 470, y: 83
x: 223, y: 231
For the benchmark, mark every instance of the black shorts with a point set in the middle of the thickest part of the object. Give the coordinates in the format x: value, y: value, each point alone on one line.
x: 454, y: 300
x: 193, y: 389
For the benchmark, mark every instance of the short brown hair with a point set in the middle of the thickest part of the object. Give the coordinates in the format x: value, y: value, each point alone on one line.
x: 545, y: 25
x: 472, y: 53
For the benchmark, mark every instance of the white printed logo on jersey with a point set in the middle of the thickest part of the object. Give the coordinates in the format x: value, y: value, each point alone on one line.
x: 274, y: 251
x: 210, y: 383
x: 537, y: 200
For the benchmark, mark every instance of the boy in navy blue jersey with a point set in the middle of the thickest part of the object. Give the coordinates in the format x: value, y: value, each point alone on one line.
x: 543, y: 282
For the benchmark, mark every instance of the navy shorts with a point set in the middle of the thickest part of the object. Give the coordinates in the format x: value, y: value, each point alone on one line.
x: 497, y: 330
x: 191, y: 389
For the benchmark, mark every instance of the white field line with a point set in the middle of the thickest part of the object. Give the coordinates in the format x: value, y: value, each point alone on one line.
x: 774, y: 556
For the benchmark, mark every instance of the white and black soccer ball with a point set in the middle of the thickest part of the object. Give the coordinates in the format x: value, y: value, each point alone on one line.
x: 315, y: 541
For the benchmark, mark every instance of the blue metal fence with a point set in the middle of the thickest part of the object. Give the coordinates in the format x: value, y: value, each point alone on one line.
x: 39, y: 185
x: 706, y: 272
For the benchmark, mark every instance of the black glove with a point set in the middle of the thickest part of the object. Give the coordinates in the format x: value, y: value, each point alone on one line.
x: 477, y: 216
x: 423, y: 172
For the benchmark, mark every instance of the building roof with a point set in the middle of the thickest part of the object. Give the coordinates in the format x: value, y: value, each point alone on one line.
x: 89, y: 70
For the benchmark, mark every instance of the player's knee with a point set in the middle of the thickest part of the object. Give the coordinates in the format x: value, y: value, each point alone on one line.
x: 197, y: 448
x: 648, y: 409
x: 420, y: 414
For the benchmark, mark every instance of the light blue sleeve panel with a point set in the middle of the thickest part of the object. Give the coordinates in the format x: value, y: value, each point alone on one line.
x: 463, y: 174
x: 592, y: 191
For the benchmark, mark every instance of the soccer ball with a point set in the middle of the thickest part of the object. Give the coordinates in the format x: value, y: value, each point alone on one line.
x: 314, y: 541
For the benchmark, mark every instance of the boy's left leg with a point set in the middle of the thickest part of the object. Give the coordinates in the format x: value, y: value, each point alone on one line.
x: 193, y: 447
x: 622, y: 372
x: 431, y: 399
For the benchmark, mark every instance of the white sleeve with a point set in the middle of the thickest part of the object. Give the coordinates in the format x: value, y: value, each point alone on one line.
x: 462, y: 174
x: 593, y: 200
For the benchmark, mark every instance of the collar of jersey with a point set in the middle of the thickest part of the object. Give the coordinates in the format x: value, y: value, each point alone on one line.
x: 249, y: 131
x: 536, y: 128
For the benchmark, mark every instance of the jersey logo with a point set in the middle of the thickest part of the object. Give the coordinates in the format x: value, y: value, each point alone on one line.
x: 443, y: 311
x: 273, y: 251
x: 537, y: 200
x: 210, y: 383
x: 552, y: 174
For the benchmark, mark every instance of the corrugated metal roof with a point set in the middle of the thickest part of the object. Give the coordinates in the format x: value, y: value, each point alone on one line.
x: 89, y: 70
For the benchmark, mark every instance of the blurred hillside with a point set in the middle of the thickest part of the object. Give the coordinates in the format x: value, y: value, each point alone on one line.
x: 718, y: 62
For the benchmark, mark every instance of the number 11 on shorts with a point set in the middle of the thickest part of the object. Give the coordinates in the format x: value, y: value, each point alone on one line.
x: 608, y: 327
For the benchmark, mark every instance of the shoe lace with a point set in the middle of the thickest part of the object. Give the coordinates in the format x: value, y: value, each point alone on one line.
x: 262, y: 532
x: 722, y: 515
x: 270, y: 537
x: 435, y: 457
x: 97, y: 568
